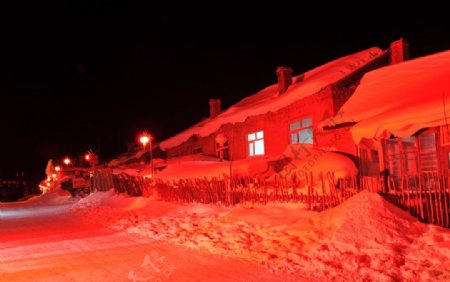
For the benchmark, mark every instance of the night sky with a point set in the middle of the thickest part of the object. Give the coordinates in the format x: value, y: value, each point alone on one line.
x: 79, y: 75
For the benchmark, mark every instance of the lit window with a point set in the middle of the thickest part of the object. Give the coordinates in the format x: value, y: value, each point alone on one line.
x: 301, y: 131
x: 256, y: 143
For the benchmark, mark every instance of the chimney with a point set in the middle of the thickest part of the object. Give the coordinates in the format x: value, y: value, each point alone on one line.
x: 399, y: 51
x: 284, y: 79
x: 214, y: 107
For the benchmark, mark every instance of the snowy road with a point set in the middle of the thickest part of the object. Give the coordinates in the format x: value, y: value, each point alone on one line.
x: 51, y: 243
x: 110, y: 237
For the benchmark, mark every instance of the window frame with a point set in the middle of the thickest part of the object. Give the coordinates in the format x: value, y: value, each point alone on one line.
x: 301, y: 128
x: 253, y: 141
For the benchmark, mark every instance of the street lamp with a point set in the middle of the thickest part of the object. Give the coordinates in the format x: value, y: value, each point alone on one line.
x: 67, y: 161
x: 145, y: 139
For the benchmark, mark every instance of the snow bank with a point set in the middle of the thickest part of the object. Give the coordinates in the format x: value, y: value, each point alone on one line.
x: 400, y: 99
x: 296, y: 159
x: 365, y: 239
x: 304, y: 159
x: 208, y: 167
x: 267, y: 100
x: 126, y: 158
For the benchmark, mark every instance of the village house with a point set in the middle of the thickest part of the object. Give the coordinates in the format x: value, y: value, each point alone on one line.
x: 289, y: 112
x: 400, y: 119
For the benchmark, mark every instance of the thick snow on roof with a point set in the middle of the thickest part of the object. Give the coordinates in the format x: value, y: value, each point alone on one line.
x: 268, y: 99
x: 296, y: 159
x: 400, y: 99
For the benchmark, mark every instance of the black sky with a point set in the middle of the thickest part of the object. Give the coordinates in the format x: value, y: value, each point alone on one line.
x: 77, y: 74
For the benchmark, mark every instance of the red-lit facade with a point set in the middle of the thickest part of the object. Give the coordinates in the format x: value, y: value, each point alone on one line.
x: 231, y: 140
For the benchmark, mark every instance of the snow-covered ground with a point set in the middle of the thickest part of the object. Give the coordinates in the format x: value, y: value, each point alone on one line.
x: 108, y: 237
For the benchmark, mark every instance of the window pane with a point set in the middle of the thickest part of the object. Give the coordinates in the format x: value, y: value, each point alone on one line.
x: 409, y: 144
x: 294, y: 125
x: 250, y: 149
x: 427, y: 142
x: 392, y: 146
x: 294, y: 139
x: 260, y: 135
x: 251, y: 137
x: 307, y: 122
x: 259, y: 147
x: 306, y: 136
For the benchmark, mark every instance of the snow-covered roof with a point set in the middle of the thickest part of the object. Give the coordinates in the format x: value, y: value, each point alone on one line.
x: 400, y: 99
x: 268, y: 100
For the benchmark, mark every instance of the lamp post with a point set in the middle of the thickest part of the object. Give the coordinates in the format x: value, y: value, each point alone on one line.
x: 67, y: 161
x: 145, y: 139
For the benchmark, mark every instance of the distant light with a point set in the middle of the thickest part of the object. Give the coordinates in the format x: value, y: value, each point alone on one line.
x: 54, y: 175
x: 57, y: 168
x: 87, y: 157
x: 144, y: 139
x: 67, y: 161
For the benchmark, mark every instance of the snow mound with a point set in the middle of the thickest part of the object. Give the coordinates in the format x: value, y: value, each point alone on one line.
x: 370, y: 216
x: 191, y: 167
x: 364, y: 239
x: 53, y: 197
x: 303, y: 159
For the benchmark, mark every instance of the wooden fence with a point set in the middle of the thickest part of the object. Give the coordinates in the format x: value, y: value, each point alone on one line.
x: 426, y: 197
x: 132, y: 185
x: 102, y: 180
x: 318, y: 193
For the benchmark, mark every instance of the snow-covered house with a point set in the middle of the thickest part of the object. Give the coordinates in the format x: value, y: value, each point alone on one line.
x: 288, y: 112
x: 401, y: 118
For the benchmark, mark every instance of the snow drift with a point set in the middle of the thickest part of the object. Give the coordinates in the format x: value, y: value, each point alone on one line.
x: 365, y: 239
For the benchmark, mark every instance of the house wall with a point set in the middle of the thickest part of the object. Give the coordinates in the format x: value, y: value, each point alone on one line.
x: 275, y: 125
x: 441, y: 145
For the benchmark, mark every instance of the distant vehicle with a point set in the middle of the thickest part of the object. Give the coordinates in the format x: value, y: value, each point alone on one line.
x: 77, y: 181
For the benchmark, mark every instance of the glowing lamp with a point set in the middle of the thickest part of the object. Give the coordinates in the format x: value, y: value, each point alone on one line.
x: 87, y: 157
x: 57, y: 168
x: 54, y: 175
x: 67, y: 161
x: 144, y: 139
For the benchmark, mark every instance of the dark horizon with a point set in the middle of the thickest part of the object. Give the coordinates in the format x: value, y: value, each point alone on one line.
x: 94, y: 74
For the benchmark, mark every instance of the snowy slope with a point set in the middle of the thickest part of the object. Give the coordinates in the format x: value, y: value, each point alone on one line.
x: 400, y: 99
x: 365, y: 239
x: 47, y: 240
x: 268, y: 100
